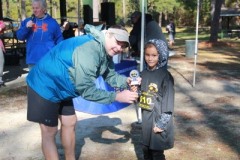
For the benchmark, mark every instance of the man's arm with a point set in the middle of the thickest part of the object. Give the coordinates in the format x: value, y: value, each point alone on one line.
x: 23, y: 32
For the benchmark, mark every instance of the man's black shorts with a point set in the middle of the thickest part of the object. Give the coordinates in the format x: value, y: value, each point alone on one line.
x: 46, y: 112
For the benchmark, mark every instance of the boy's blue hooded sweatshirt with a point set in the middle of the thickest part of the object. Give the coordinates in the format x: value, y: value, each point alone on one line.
x: 40, y: 38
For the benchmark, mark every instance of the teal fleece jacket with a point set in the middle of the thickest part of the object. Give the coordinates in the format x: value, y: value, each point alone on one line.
x: 71, y: 68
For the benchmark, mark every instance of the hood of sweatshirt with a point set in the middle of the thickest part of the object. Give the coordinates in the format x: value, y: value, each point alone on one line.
x: 162, y: 49
x: 95, y: 31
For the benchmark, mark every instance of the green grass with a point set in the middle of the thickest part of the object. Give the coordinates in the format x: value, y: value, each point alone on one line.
x: 203, y: 35
x: 189, y: 33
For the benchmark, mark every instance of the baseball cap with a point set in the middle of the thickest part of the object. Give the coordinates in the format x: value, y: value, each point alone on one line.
x: 120, y: 35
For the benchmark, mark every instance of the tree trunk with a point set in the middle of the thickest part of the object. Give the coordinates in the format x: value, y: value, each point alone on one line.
x: 19, y: 10
x: 63, y: 10
x: 55, y: 8
x: 1, y: 12
x: 215, y: 13
x: 8, y: 9
x: 160, y: 19
x: 23, y: 9
x: 50, y: 7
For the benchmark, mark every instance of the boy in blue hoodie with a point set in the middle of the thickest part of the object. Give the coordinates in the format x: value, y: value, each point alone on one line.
x: 40, y: 31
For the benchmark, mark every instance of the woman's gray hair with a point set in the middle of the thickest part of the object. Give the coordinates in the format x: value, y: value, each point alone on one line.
x: 42, y: 2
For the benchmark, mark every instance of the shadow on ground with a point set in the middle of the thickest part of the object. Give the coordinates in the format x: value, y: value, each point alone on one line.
x: 105, y: 131
x: 12, y: 72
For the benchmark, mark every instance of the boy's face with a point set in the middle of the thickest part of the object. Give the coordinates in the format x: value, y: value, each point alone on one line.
x: 151, y: 57
x: 114, y: 47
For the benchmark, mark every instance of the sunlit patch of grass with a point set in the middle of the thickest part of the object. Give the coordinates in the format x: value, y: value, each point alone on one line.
x: 189, y: 33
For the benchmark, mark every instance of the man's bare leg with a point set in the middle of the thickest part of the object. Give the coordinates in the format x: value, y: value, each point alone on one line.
x: 68, y: 135
x: 48, y: 142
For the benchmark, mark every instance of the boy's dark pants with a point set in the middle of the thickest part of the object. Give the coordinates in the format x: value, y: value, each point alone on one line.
x: 149, y: 154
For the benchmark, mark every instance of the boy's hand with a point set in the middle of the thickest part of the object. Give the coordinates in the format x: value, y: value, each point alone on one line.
x: 129, y: 80
x: 134, y: 88
x: 157, y: 130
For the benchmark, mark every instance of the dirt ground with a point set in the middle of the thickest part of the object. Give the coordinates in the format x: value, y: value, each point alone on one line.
x: 206, y: 116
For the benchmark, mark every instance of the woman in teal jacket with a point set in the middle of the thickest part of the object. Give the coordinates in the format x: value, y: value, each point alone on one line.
x: 70, y: 70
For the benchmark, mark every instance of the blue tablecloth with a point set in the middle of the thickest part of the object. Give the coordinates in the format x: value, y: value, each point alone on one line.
x: 83, y: 105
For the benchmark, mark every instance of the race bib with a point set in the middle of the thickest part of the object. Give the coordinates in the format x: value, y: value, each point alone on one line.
x: 146, y: 101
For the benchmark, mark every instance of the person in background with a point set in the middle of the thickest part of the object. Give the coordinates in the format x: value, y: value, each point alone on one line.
x: 2, y: 50
x: 67, y: 30
x: 40, y: 31
x: 69, y: 70
x: 171, y: 32
x: 135, y: 33
x: 156, y: 101
x: 152, y: 30
x: 80, y: 30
